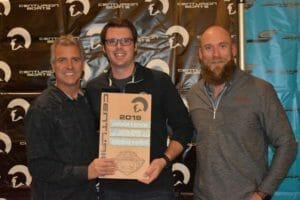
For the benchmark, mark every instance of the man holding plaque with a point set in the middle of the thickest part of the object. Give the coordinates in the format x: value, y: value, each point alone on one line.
x: 61, y: 134
x: 119, y: 39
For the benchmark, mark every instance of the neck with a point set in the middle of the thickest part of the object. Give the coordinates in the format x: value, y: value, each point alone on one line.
x: 218, y: 89
x: 122, y: 72
x: 70, y: 91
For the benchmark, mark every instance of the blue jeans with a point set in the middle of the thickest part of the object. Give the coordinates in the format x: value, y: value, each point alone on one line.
x: 153, y: 195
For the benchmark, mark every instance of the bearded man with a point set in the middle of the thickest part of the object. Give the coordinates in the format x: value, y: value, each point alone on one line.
x: 237, y: 116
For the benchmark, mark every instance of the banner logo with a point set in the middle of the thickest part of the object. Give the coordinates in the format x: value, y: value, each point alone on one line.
x: 78, y: 7
x: 158, y: 7
x: 231, y: 9
x: 264, y: 36
x: 140, y: 104
x: 181, y: 174
x: 282, y: 4
x: 5, y: 143
x: 18, y: 108
x: 20, y: 38
x: 291, y: 37
x: 197, y: 5
x: 160, y: 65
x: 95, y: 30
x: 20, y: 176
x: 38, y: 6
x: 114, y: 6
x: 5, y: 72
x: 6, y: 7
x: 179, y: 36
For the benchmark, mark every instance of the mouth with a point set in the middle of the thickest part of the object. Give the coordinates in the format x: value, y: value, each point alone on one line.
x: 119, y: 54
x: 69, y: 73
x: 215, y: 62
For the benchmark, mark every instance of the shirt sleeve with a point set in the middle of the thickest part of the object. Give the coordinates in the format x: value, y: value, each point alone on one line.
x: 280, y: 136
x: 43, y: 163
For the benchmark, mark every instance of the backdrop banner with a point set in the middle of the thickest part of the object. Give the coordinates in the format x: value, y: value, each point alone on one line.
x: 168, y: 40
x: 273, y: 54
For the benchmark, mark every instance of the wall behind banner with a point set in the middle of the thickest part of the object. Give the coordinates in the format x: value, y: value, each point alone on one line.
x: 168, y: 41
x: 273, y: 53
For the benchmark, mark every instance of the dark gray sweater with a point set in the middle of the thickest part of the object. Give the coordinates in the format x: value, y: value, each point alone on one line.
x: 61, y: 142
x: 232, y: 142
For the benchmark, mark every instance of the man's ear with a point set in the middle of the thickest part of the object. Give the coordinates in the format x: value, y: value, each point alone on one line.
x: 52, y: 67
x: 200, y: 53
x: 135, y: 47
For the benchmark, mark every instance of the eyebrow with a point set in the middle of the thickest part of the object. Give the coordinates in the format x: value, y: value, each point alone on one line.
x: 210, y: 44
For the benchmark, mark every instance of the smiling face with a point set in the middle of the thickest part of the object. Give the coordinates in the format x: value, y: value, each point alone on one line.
x: 216, y: 53
x: 67, y: 66
x: 120, y: 55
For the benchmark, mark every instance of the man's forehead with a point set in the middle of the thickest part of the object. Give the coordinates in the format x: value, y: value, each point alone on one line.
x: 215, y: 32
x: 118, y: 30
x: 215, y: 39
x: 67, y: 49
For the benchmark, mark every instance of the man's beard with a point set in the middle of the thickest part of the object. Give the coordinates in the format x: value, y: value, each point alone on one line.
x: 218, y: 75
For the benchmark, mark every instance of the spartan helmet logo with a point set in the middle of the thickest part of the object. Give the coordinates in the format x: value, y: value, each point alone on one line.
x: 178, y: 36
x: 18, y: 109
x: 159, y: 65
x: 78, y: 7
x: 181, y: 174
x: 20, y: 38
x: 95, y: 30
x: 20, y: 176
x: 5, y: 72
x: 231, y: 9
x: 140, y: 104
x: 5, y: 143
x: 158, y: 6
x: 4, y: 7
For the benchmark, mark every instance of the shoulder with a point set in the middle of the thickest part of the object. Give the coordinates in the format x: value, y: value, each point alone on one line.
x: 96, y: 82
x: 150, y: 72
x: 258, y: 83
x: 198, y: 86
x: 159, y: 76
x: 50, y: 98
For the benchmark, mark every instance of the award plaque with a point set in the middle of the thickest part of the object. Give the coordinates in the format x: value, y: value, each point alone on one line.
x: 125, y: 123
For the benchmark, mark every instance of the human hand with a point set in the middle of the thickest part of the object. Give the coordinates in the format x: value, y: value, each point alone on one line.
x: 101, y: 167
x: 153, y: 171
x: 256, y: 196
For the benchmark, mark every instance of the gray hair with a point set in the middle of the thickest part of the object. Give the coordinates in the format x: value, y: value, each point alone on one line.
x: 65, y: 40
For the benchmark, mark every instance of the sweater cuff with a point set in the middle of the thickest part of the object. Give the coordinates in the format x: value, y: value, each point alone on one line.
x: 81, y: 173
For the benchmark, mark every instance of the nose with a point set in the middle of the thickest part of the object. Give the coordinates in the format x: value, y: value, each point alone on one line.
x: 216, y: 52
x: 70, y: 64
x: 118, y: 44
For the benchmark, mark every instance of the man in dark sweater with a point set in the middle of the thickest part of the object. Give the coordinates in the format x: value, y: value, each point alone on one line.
x: 119, y: 39
x: 60, y: 130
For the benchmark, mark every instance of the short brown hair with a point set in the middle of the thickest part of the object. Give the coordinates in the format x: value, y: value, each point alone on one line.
x: 119, y: 23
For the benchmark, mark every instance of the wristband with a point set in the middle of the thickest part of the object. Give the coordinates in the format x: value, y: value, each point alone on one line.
x: 167, y: 159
